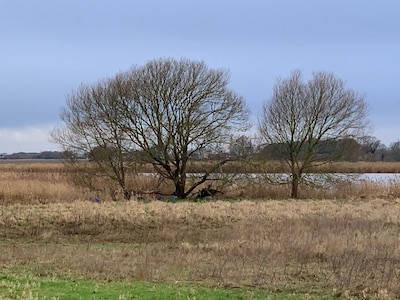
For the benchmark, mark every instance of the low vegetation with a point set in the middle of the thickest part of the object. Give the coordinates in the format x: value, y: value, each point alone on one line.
x: 44, y: 183
x: 55, y: 238
x: 313, y: 247
x: 30, y: 287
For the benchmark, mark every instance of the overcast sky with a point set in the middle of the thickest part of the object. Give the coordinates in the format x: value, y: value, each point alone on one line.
x: 49, y: 47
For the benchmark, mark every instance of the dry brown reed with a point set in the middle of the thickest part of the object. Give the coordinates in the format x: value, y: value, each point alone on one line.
x: 348, y: 245
x: 364, y: 167
x: 385, y: 188
x: 42, y: 183
x: 309, y: 246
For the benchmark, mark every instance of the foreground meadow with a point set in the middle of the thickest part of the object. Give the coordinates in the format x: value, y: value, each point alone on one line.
x: 303, y: 247
x: 54, y: 239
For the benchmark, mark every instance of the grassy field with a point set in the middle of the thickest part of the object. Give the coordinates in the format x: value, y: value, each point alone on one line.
x: 29, y: 287
x: 56, y: 244
x: 301, y: 247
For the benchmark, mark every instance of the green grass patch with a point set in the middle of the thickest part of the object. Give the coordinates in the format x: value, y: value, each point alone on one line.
x: 30, y: 287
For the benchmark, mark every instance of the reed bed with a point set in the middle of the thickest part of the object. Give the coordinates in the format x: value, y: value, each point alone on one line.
x: 342, y: 240
x: 364, y: 167
x: 43, y: 183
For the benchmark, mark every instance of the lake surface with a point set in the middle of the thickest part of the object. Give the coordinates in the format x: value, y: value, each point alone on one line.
x: 381, y: 177
x: 333, y: 178
x: 320, y: 178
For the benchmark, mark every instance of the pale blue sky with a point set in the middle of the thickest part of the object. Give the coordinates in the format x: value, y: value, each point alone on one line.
x: 49, y: 47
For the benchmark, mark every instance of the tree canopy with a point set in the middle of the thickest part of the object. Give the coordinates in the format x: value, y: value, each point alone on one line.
x: 166, y: 110
x: 302, y: 117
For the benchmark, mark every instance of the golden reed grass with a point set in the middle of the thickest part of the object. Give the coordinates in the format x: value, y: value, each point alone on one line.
x: 326, y: 246
x: 35, y: 183
x: 346, y: 246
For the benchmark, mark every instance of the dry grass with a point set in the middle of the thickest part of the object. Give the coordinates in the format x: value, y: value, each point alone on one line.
x: 365, y: 167
x: 36, y: 183
x: 315, y: 246
x: 43, y: 183
x: 346, y: 190
x: 348, y: 245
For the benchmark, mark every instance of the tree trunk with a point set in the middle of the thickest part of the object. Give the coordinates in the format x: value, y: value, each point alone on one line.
x: 295, y: 185
x: 180, y: 189
x: 125, y: 191
x: 180, y: 184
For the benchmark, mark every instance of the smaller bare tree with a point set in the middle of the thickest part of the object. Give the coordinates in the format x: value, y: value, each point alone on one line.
x: 394, y: 151
x: 370, y: 145
x: 91, y: 119
x: 241, y: 147
x: 303, y: 118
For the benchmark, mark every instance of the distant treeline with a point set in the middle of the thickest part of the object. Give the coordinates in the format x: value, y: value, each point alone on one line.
x: 34, y: 155
x: 368, y: 149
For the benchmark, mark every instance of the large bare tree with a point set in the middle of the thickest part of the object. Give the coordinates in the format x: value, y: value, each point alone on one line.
x: 166, y: 110
x: 177, y: 108
x: 303, y: 117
